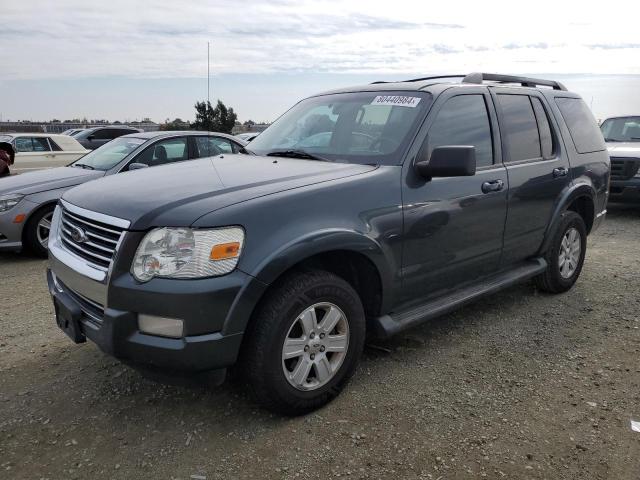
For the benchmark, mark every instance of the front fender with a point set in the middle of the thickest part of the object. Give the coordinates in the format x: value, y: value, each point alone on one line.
x: 302, y: 248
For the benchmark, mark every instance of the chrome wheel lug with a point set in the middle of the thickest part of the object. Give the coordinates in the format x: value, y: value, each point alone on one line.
x: 322, y: 349
x: 312, y: 356
x: 306, y: 348
x: 312, y: 335
x: 322, y: 335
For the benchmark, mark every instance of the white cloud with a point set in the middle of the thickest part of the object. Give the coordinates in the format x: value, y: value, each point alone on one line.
x: 167, y: 39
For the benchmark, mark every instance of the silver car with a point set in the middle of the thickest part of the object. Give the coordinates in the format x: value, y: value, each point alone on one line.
x: 27, y: 201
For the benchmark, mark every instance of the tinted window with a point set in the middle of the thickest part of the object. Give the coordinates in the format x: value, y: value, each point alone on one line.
x: 621, y: 129
x: 582, y: 125
x: 519, y: 127
x: 165, y: 151
x: 464, y: 120
x: 210, y: 146
x: 103, y: 134
x: 40, y: 144
x: 544, y: 127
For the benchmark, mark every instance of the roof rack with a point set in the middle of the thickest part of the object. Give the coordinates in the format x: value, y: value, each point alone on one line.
x: 479, y: 78
x: 437, y: 77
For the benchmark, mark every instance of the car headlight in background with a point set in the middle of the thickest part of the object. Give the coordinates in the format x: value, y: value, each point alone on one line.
x: 7, y: 202
x: 187, y: 253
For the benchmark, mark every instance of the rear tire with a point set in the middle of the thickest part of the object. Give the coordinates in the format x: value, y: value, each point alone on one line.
x: 36, y: 233
x: 565, y: 255
x: 304, y: 342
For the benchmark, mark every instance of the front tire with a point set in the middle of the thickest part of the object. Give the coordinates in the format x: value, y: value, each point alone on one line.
x: 565, y: 255
x: 36, y: 234
x: 304, y: 342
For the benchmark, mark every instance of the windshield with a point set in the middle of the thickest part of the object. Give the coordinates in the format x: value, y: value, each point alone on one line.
x: 363, y: 127
x: 110, y: 154
x: 6, y: 138
x: 622, y: 129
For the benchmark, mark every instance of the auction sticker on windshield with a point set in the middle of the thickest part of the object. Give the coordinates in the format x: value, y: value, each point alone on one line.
x: 396, y: 100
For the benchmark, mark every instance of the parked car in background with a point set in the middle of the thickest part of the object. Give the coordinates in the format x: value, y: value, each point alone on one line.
x: 429, y: 194
x: 92, y: 138
x: 247, y: 136
x: 622, y: 135
x: 72, y: 131
x: 38, y: 151
x: 27, y: 201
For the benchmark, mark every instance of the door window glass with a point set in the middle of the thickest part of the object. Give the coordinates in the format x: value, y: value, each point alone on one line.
x: 166, y: 151
x: 519, y: 127
x: 464, y: 120
x: 211, y: 146
x: 24, y: 144
x: 544, y: 127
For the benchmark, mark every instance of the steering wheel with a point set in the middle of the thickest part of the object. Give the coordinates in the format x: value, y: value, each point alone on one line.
x: 380, y: 144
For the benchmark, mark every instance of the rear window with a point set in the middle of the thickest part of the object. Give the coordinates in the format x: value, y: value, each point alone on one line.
x: 523, y: 140
x: 583, y: 128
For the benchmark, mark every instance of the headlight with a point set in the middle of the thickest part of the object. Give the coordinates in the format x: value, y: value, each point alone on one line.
x: 187, y: 253
x: 7, y: 202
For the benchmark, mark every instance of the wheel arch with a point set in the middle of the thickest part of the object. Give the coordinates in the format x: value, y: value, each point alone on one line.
x: 579, y: 198
x: 32, y: 214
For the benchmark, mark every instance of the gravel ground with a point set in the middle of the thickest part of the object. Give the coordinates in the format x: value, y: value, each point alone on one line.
x: 518, y: 385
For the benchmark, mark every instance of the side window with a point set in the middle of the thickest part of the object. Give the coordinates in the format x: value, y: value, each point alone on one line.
x: 54, y: 146
x: 165, y: 151
x: 520, y: 127
x: 102, y: 134
x: 40, y: 144
x: 464, y: 120
x: 211, y: 146
x: 24, y: 144
x: 544, y: 127
x: 583, y: 128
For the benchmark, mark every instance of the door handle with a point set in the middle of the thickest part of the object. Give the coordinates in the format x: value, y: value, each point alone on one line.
x: 492, y: 186
x: 560, y: 172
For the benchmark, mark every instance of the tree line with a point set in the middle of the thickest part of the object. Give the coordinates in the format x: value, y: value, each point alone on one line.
x: 208, y: 118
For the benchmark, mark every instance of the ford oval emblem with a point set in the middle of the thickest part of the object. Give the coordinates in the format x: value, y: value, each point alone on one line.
x: 78, y: 235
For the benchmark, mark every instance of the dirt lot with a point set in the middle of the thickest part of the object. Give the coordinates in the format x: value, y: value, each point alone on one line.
x: 519, y: 385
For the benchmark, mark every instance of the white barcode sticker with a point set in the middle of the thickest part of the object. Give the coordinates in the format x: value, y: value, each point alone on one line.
x: 396, y: 100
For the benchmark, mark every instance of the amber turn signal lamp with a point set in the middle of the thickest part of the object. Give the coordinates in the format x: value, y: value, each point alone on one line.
x: 225, y: 250
x: 19, y: 218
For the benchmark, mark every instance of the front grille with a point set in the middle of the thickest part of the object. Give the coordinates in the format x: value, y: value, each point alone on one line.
x: 98, y: 244
x: 624, y: 168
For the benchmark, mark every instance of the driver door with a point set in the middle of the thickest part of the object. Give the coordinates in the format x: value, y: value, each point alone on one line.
x: 453, y: 227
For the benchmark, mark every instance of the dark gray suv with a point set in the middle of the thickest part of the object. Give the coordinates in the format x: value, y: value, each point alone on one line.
x: 365, y: 210
x: 92, y: 138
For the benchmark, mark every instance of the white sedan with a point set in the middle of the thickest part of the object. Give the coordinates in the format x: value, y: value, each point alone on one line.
x: 37, y: 151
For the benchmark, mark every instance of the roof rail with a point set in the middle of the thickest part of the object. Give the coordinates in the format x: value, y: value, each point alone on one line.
x: 437, y: 77
x: 479, y: 78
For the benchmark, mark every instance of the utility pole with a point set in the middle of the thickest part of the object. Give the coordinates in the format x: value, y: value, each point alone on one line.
x: 208, y: 74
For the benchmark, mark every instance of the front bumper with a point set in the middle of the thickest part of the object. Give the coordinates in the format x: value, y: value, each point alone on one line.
x: 625, y: 190
x: 116, y: 333
x: 10, y: 230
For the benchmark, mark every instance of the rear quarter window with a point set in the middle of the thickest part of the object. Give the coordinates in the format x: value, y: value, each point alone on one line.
x: 583, y: 127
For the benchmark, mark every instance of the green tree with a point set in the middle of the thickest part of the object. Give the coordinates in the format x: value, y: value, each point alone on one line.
x: 219, y: 119
x: 177, y: 124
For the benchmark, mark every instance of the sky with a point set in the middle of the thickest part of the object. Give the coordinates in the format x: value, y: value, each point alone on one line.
x: 125, y: 60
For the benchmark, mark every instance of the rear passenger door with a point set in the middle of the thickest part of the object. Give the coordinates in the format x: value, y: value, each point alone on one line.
x: 537, y: 166
x: 453, y: 227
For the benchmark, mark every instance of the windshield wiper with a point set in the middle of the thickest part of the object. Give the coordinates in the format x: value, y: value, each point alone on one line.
x: 611, y: 140
x: 296, y: 154
x: 84, y: 165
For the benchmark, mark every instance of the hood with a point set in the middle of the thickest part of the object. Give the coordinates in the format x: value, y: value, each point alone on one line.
x: 624, y: 149
x: 178, y: 194
x: 43, y: 180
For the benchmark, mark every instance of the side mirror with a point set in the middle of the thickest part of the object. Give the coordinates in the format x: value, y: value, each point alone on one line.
x: 448, y: 161
x: 137, y: 166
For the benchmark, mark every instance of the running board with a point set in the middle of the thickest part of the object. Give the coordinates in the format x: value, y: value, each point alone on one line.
x: 388, y: 325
